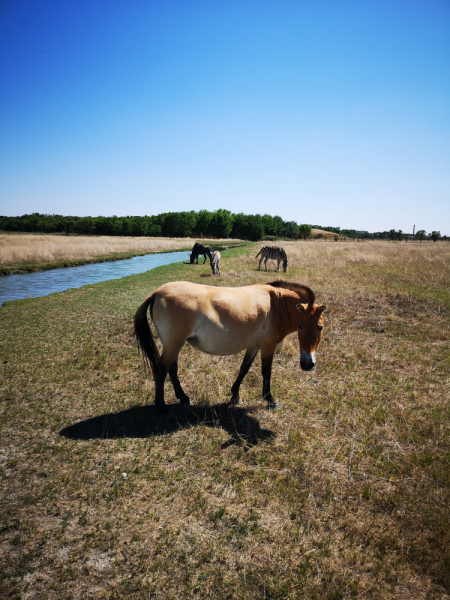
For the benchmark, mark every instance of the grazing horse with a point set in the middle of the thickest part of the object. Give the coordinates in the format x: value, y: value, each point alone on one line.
x: 198, y: 249
x: 225, y: 321
x: 215, y: 262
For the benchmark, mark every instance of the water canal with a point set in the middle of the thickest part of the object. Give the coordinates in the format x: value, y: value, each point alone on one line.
x: 42, y: 283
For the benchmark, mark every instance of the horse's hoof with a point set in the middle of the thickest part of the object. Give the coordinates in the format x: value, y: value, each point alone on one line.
x: 185, y: 401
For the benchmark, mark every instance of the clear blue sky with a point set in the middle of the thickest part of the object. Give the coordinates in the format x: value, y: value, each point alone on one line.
x: 329, y: 112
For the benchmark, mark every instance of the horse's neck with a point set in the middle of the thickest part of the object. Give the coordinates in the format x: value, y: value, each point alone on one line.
x: 288, y: 313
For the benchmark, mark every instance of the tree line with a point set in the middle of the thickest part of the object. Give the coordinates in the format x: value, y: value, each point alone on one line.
x: 212, y: 224
x: 419, y: 235
x: 208, y: 224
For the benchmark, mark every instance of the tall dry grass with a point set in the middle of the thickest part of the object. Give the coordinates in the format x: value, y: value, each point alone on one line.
x: 19, y: 249
x: 332, y: 265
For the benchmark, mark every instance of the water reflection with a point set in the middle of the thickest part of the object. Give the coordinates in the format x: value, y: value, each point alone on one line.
x: 33, y: 285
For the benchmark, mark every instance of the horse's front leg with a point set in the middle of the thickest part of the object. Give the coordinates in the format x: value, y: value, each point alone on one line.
x: 205, y: 258
x: 266, y: 368
x: 179, y: 392
x: 245, y: 366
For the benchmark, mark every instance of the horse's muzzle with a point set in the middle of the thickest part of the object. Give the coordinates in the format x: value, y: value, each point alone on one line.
x: 307, y: 361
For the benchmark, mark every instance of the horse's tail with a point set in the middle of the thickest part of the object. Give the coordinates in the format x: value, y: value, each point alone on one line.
x: 258, y: 253
x: 145, y: 340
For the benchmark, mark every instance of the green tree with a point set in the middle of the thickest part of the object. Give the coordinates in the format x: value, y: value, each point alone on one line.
x: 435, y: 235
x: 400, y: 235
x: 103, y: 226
x: 178, y: 224
x: 49, y: 224
x: 137, y: 226
x: 153, y: 227
x: 254, y: 228
x: 304, y: 231
x: 279, y: 226
x: 351, y: 233
x: 85, y: 226
x: 273, y: 225
x: 185, y: 223
x: 291, y: 230
x: 203, y: 222
x: 269, y: 225
x: 239, y: 226
x: 420, y: 235
x: 221, y: 223
x: 392, y: 234
x: 248, y: 227
x: 168, y: 224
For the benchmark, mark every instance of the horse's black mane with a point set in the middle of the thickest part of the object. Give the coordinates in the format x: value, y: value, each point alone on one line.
x: 301, y: 290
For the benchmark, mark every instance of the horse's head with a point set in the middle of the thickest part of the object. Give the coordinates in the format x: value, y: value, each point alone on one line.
x: 191, y: 257
x: 310, y: 325
x: 285, y: 264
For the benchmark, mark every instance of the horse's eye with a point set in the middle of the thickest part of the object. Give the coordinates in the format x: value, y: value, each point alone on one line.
x: 300, y: 327
x: 320, y: 328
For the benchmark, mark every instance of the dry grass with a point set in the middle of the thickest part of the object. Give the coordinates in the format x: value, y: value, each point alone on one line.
x: 343, y: 493
x: 23, y: 248
x: 323, y: 233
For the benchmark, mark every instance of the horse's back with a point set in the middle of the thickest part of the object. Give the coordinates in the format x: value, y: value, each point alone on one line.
x: 217, y: 320
x: 195, y: 297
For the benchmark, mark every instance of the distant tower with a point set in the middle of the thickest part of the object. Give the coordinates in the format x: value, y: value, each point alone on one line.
x: 414, y: 229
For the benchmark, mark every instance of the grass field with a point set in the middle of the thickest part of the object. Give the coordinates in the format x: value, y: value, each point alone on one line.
x: 342, y: 493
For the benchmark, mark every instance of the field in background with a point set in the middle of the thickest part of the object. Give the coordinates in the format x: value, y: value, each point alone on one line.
x: 343, y: 493
x: 323, y: 233
x: 27, y: 248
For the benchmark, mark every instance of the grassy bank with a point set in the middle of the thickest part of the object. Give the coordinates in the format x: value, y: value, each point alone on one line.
x: 26, y: 253
x: 33, y: 267
x: 343, y: 493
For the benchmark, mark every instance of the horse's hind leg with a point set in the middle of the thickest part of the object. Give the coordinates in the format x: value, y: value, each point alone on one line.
x: 179, y: 392
x: 160, y: 377
x: 245, y: 366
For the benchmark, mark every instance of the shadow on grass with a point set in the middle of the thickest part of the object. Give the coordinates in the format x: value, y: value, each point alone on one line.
x: 147, y: 421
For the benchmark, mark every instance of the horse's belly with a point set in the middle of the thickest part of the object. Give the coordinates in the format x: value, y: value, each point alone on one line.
x: 214, y: 340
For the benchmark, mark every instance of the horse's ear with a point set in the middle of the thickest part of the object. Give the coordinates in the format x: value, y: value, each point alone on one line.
x: 301, y: 307
x: 322, y: 308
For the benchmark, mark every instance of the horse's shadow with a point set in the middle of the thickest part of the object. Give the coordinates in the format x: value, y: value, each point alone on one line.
x: 147, y: 421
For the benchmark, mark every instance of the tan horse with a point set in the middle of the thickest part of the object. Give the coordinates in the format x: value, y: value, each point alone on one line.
x: 225, y: 321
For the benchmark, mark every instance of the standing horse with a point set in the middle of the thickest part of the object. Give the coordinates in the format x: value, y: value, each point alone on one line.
x: 198, y: 249
x: 225, y: 321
